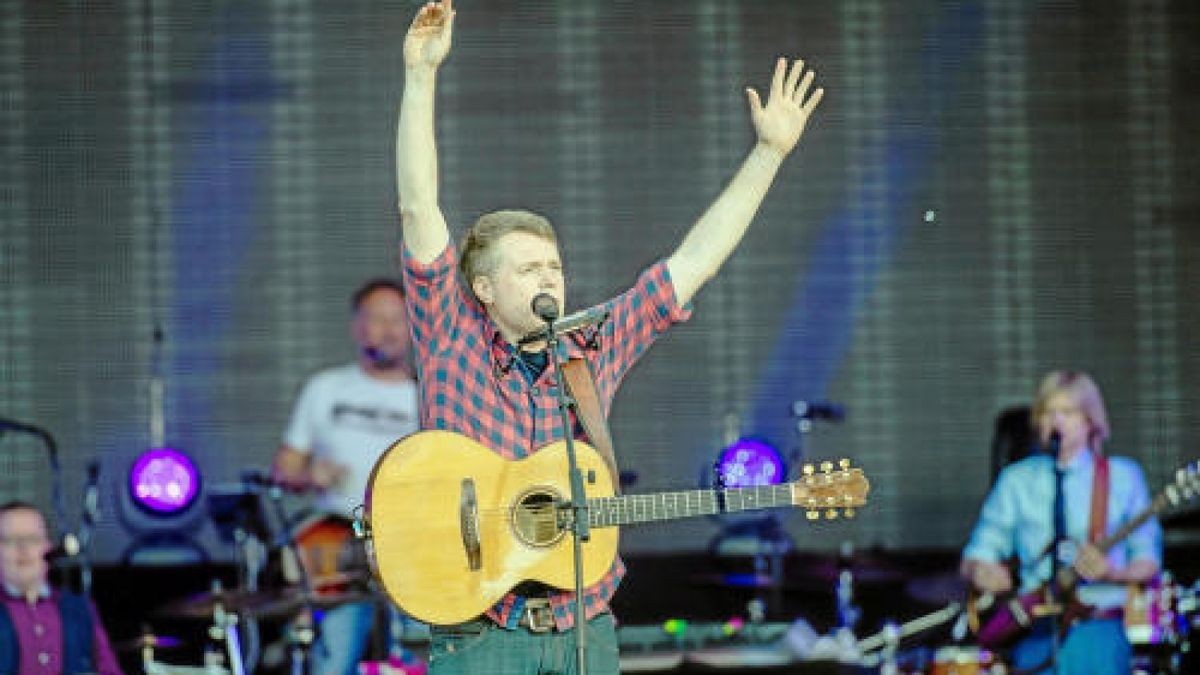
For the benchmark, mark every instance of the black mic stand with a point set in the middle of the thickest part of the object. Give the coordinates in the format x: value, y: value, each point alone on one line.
x: 304, y: 631
x: 87, y: 524
x: 1054, y: 597
x: 578, y: 508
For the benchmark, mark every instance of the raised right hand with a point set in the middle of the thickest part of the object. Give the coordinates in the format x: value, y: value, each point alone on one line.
x: 428, y: 38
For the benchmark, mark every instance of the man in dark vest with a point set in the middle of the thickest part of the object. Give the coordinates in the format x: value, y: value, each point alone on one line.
x: 43, y: 630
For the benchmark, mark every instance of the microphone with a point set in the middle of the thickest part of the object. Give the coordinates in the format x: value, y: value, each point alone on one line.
x: 818, y: 410
x: 546, y: 307
x: 68, y: 547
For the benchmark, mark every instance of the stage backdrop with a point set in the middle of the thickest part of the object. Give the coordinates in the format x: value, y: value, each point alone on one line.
x: 989, y: 190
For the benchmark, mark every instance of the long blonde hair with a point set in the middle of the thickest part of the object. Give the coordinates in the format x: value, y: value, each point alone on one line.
x: 1083, y: 390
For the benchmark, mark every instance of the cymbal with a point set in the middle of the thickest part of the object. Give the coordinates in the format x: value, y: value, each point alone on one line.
x: 865, y: 568
x: 937, y: 589
x: 148, y: 640
x: 292, y: 601
x: 202, y: 605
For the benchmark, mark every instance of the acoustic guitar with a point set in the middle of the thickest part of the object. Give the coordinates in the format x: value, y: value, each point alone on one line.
x: 452, y: 526
x: 1000, y: 620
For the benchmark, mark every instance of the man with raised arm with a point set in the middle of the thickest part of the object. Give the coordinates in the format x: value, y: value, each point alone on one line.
x: 477, y: 379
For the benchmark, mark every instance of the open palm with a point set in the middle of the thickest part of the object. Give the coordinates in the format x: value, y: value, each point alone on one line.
x: 781, y: 122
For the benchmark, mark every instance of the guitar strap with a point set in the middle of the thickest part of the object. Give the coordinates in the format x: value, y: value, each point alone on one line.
x: 1098, y: 523
x: 577, y: 374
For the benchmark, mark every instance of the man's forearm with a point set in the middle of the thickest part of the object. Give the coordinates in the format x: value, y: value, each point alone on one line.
x: 719, y: 230
x: 425, y: 232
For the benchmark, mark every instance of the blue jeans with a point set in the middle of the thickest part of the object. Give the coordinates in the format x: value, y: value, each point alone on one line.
x: 343, y: 635
x: 480, y: 646
x: 1097, y: 647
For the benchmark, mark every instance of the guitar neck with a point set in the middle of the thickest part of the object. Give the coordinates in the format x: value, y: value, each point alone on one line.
x: 1068, y: 577
x: 1125, y: 530
x: 630, y: 509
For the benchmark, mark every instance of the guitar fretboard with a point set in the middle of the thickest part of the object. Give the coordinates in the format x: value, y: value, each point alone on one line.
x: 630, y: 509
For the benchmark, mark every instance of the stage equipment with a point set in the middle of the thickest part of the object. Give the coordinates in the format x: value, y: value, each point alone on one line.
x: 164, y: 482
x: 750, y: 462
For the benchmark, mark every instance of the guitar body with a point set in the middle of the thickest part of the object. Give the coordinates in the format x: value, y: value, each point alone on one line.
x: 1007, y: 618
x: 1011, y: 617
x: 455, y: 526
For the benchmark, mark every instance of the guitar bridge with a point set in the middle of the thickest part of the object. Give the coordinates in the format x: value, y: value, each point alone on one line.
x: 468, y: 523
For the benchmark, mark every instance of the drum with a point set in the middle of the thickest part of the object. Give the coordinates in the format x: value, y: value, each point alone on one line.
x: 955, y: 660
x: 333, y: 559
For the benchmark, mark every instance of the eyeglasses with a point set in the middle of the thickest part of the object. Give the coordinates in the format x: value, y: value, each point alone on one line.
x: 17, y: 541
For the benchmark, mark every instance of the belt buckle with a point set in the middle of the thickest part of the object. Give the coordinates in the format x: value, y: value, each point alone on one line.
x: 539, y: 617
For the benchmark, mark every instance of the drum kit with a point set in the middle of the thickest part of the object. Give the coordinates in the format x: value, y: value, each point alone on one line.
x: 315, y: 565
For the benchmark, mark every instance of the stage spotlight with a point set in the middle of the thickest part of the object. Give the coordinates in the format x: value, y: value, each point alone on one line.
x: 164, y: 482
x: 751, y: 462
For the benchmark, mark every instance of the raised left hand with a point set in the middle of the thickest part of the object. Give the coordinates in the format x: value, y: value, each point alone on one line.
x: 780, y: 123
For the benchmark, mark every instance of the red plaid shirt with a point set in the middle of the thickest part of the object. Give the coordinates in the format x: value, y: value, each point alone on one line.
x: 469, y: 385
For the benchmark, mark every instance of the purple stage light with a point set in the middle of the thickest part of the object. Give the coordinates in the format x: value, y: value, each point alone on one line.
x: 750, y: 462
x: 164, y: 481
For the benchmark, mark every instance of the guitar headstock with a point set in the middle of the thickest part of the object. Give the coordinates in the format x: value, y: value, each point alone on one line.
x: 1185, y: 487
x: 830, y: 492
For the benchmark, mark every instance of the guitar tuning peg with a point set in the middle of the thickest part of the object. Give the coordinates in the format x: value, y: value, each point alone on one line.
x: 808, y: 469
x: 844, y: 464
x: 831, y: 514
x: 826, y: 467
x: 812, y: 515
x: 849, y: 513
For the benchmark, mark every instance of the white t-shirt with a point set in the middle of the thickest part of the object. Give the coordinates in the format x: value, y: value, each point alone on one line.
x: 351, y: 418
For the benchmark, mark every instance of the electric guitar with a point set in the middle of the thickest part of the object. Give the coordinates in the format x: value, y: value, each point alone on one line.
x: 452, y: 526
x: 1000, y: 620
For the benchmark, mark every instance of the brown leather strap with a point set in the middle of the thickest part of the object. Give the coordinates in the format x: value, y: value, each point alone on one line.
x: 1098, y: 524
x: 577, y: 373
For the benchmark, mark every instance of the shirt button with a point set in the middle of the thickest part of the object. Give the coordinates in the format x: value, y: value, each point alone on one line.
x: 38, y: 629
x: 43, y: 658
x: 535, y: 391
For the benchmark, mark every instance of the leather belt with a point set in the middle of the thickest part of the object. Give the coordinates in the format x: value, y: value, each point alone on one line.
x: 538, y: 615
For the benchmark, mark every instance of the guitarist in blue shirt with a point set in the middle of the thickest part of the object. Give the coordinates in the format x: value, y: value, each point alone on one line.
x: 1018, y: 520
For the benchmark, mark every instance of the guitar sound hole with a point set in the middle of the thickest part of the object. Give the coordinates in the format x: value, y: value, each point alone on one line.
x: 535, y: 519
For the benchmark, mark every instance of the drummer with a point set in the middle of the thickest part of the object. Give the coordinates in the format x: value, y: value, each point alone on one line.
x: 343, y: 419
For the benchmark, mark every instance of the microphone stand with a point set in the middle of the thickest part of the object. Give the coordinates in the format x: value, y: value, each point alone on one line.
x: 578, y: 508
x: 1053, y: 593
x: 304, y: 631
x: 87, y: 524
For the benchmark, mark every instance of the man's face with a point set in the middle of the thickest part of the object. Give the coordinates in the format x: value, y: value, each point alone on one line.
x: 526, y: 265
x: 381, y: 328
x: 23, y: 547
x: 1063, y: 414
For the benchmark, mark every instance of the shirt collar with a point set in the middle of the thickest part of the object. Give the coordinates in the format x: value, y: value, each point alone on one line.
x: 15, y: 593
x: 1082, y: 460
x: 572, y: 346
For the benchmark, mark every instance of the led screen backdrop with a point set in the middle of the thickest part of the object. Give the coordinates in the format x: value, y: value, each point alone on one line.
x: 989, y: 190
